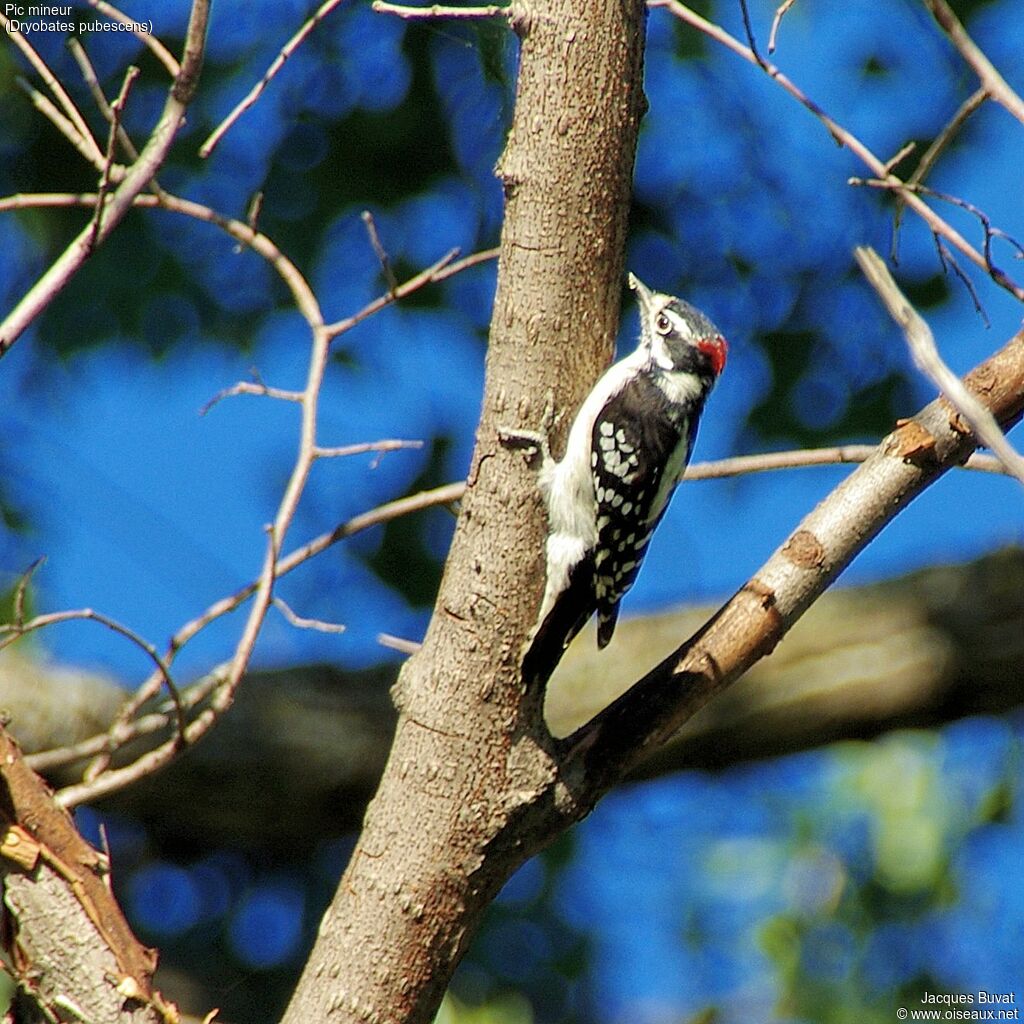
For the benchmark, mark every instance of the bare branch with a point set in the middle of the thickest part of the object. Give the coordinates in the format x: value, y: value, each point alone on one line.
x: 744, y: 465
x: 9, y: 632
x: 932, y: 154
x: 364, y: 446
x: 397, y: 643
x: 748, y: 28
x: 780, y: 13
x: 113, y: 779
x: 440, y: 11
x: 926, y: 355
x: 149, y: 40
x: 301, y: 622
x: 938, y: 225
x: 136, y: 178
x: 58, y: 90
x: 903, y: 152
x: 48, y: 109
x: 251, y: 387
x: 379, y: 250
x: 116, y: 109
x: 949, y: 261
x: 992, y: 82
x: 440, y: 271
x: 278, y: 62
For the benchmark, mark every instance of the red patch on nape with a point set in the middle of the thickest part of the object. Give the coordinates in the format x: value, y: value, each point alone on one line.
x: 716, y: 349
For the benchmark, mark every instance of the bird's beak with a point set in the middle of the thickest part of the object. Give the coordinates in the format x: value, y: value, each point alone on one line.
x: 643, y: 293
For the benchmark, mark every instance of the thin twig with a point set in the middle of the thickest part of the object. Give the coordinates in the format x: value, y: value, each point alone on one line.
x: 136, y: 178
x: 364, y: 446
x: 983, y: 218
x: 116, y: 110
x: 21, y: 589
x: 440, y: 271
x: 746, y: 465
x: 49, y: 110
x: 118, y: 778
x: 252, y: 214
x: 379, y: 250
x: 85, y: 66
x: 993, y: 82
x: 844, y: 138
x: 278, y: 62
x: 144, y: 725
x: 926, y: 355
x: 950, y: 262
x: 397, y: 643
x: 751, y: 41
x: 903, y: 152
x: 92, y: 81
x: 780, y: 13
x: 12, y: 631
x: 149, y: 40
x: 440, y: 11
x: 258, y: 388
x: 932, y: 154
x: 55, y: 87
x: 300, y: 622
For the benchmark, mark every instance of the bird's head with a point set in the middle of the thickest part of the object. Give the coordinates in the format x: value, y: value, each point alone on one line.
x: 680, y: 337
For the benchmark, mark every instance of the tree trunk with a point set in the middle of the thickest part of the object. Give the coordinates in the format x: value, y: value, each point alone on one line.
x: 440, y: 836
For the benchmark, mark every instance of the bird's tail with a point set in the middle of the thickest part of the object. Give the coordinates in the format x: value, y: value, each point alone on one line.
x: 568, y: 614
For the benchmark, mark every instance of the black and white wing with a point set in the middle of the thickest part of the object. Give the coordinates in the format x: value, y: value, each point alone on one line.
x: 641, y: 443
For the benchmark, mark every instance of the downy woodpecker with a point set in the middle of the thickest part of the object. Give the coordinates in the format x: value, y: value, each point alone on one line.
x: 627, y: 449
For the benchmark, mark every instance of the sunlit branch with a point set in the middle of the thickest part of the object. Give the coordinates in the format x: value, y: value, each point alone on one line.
x: 148, y: 40
x: 993, y: 82
x: 59, y: 92
x: 278, y: 62
x: 845, y: 138
x: 12, y: 631
x: 934, y: 151
x: 48, y: 109
x: 136, y: 178
x: 440, y: 271
x: 780, y: 13
x: 440, y: 11
x: 116, y: 109
x: 301, y: 622
x: 362, y: 447
x: 926, y: 355
x: 379, y: 250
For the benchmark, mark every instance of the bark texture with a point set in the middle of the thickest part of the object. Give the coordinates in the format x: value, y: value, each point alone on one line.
x: 440, y: 836
x: 71, y: 950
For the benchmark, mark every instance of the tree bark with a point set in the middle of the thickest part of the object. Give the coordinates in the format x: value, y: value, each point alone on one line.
x: 438, y: 840
x: 70, y: 949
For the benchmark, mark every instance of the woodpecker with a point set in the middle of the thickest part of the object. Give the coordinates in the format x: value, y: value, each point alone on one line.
x: 627, y: 449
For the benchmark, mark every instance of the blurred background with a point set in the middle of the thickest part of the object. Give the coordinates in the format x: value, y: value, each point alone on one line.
x: 832, y: 885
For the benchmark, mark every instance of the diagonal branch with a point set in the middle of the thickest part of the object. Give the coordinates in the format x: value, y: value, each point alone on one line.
x: 89, y: 146
x: 136, y: 178
x: 938, y: 226
x: 922, y: 346
x: 754, y: 620
x: 992, y: 82
x: 256, y: 91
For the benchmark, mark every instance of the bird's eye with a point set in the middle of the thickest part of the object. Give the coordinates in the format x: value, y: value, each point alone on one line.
x: 662, y: 324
